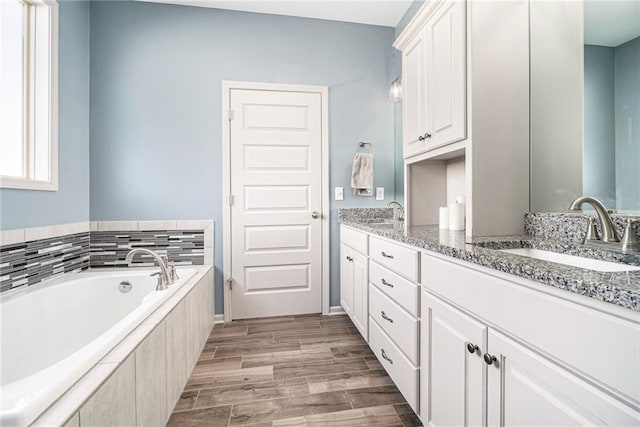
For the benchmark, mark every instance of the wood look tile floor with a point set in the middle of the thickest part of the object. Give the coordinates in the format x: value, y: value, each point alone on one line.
x: 307, y: 370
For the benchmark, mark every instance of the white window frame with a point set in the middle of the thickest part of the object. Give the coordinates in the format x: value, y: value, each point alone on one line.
x: 41, y: 101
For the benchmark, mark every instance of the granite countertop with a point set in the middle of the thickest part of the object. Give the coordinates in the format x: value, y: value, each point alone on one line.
x: 620, y: 288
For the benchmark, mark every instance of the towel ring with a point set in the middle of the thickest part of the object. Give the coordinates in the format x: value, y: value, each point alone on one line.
x: 362, y: 144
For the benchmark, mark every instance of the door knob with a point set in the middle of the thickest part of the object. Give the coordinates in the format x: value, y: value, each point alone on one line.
x: 315, y: 214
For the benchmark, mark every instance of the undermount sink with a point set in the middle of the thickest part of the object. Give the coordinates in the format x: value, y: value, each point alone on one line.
x: 572, y: 260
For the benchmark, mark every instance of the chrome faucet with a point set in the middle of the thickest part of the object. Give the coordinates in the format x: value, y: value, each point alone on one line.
x: 164, y: 279
x: 609, y: 233
x: 394, y: 202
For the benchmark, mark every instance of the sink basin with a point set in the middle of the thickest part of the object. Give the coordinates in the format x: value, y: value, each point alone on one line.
x: 572, y: 260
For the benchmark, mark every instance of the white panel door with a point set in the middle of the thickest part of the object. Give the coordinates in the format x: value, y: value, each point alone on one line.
x: 276, y: 183
x: 525, y: 389
x: 446, y: 74
x: 452, y: 367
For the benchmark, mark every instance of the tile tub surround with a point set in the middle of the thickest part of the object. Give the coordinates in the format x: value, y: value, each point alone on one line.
x: 621, y: 288
x: 27, y: 263
x: 308, y: 370
x: 110, y: 248
x: 29, y: 256
x: 568, y: 225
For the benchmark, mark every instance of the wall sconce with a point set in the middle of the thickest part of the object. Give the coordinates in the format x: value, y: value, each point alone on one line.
x: 395, y: 92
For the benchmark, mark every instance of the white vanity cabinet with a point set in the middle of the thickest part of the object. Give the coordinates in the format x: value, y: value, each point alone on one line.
x: 549, y: 358
x: 434, y: 78
x: 354, y: 277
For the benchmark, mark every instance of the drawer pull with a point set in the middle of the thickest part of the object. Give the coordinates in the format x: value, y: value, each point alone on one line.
x: 384, y: 282
x: 385, y: 357
x: 472, y: 348
x: 386, y: 256
x: 384, y: 316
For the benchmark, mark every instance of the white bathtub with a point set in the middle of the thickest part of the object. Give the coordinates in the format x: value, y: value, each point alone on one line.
x: 55, y: 332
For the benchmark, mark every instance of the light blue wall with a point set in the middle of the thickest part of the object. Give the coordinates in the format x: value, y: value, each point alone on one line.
x: 599, y: 124
x: 23, y: 208
x: 156, y: 73
x: 408, y: 15
x: 627, y: 112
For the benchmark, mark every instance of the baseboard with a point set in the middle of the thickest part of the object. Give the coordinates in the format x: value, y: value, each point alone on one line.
x: 333, y: 311
x: 336, y: 310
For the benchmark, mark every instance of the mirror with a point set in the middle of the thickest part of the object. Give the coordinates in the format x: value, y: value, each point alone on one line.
x: 398, y: 161
x: 585, y: 103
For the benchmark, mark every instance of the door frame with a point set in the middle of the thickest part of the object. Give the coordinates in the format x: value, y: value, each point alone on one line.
x: 227, y: 86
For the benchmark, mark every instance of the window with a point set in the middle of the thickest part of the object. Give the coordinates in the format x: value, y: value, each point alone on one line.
x: 28, y: 94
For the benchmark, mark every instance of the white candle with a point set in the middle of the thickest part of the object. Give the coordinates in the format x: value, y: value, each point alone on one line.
x: 456, y: 216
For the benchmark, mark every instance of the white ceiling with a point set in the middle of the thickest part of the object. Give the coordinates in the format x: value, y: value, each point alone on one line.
x: 611, y: 23
x: 375, y: 12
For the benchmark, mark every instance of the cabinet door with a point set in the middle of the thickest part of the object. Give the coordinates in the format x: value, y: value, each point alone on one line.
x: 525, y: 389
x: 346, y: 279
x: 360, y: 282
x: 451, y: 384
x: 446, y: 74
x: 414, y: 121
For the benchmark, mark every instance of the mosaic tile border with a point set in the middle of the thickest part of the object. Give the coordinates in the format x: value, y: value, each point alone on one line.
x: 31, y: 262
x: 110, y: 248
x: 29, y: 256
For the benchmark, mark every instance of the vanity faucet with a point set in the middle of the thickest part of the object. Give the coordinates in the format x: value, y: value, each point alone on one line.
x: 394, y: 202
x: 609, y: 233
x: 164, y: 279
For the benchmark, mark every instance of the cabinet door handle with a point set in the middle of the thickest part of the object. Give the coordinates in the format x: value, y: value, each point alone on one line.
x: 384, y: 282
x: 421, y: 138
x: 490, y: 359
x: 427, y: 135
x: 385, y: 317
x: 386, y: 256
x: 385, y: 357
x: 472, y: 348
x: 349, y: 259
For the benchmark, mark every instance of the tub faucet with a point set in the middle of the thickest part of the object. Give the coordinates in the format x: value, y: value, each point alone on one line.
x: 164, y: 279
x: 609, y: 233
x: 394, y: 202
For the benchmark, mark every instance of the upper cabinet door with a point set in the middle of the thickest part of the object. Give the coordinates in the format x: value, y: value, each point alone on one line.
x: 414, y: 96
x: 446, y: 74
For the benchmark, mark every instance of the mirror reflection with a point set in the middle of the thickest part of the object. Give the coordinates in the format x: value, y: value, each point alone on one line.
x: 590, y: 67
x: 612, y: 104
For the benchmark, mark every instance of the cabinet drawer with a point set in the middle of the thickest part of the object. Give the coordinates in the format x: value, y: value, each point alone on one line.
x: 401, y: 260
x: 399, y: 325
x: 355, y: 239
x: 565, y: 330
x: 399, y: 289
x: 403, y: 373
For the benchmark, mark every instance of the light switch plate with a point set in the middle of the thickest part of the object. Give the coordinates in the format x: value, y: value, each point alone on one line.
x: 379, y: 193
x: 339, y: 193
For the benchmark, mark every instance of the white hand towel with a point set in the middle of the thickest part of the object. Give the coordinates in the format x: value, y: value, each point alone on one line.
x: 362, y: 175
